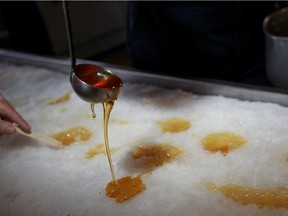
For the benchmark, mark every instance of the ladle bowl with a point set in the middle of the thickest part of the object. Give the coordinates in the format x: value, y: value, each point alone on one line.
x: 91, y: 83
x: 95, y: 84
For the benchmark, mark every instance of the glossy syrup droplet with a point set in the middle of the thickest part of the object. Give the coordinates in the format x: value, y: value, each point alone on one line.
x: 72, y: 135
x: 151, y: 156
x: 125, y: 188
x: 92, y: 105
x: 272, y: 197
x: 222, y: 142
x: 174, y: 125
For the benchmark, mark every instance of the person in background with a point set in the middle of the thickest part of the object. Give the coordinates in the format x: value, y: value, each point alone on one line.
x: 8, y: 116
x: 199, y: 39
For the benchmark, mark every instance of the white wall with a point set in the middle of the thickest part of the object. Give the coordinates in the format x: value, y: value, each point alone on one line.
x: 97, y: 26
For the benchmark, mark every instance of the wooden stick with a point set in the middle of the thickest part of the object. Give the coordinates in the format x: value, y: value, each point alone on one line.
x: 37, y: 136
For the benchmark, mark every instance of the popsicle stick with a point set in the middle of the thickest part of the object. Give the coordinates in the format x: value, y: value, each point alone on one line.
x: 39, y: 137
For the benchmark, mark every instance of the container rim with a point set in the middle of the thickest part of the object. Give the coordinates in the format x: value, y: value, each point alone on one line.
x: 268, y: 18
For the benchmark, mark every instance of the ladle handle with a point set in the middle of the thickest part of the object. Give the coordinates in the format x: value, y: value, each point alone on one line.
x: 69, y: 34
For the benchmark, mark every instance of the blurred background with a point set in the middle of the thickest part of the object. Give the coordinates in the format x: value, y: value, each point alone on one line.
x: 100, y: 33
x: 38, y: 27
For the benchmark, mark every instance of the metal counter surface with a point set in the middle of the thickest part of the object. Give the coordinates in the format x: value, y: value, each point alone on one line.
x: 197, y: 86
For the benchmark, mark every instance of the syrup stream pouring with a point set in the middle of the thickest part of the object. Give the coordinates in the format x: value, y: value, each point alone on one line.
x: 93, y: 84
x: 90, y: 82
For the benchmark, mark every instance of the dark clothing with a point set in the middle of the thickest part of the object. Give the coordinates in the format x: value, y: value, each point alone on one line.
x: 218, y: 40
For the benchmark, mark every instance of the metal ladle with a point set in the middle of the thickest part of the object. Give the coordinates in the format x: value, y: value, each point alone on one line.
x: 90, y: 82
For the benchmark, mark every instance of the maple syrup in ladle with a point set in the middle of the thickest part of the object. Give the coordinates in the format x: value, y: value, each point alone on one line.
x: 93, y: 84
